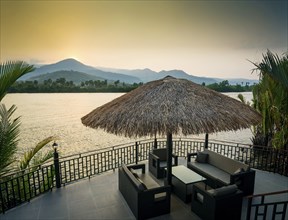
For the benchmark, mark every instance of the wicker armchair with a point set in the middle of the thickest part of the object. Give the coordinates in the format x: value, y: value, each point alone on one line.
x: 224, y: 203
x: 158, y: 162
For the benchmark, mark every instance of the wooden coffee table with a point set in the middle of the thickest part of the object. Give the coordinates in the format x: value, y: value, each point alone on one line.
x: 182, y: 181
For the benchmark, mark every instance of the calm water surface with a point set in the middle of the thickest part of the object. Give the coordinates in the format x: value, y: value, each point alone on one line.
x: 59, y: 114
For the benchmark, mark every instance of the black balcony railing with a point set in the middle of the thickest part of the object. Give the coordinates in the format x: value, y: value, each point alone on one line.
x: 258, y: 157
x: 19, y: 187
x: 263, y: 206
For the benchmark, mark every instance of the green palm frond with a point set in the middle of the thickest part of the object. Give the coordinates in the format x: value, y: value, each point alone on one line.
x: 28, y: 156
x: 275, y: 67
x: 9, y: 136
x: 40, y: 158
x: 10, y: 71
x: 270, y: 98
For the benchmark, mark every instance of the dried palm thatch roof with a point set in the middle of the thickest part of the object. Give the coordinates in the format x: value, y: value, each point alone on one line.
x: 172, y: 106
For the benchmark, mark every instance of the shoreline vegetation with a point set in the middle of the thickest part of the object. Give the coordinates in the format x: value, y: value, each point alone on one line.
x: 62, y: 86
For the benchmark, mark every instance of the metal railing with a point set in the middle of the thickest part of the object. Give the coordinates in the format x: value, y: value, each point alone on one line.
x: 258, y: 157
x: 263, y: 206
x: 19, y: 187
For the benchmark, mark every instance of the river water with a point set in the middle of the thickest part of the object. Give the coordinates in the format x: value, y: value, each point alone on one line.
x: 59, y: 114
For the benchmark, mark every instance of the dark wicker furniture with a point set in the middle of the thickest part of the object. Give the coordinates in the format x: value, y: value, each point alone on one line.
x: 223, y: 203
x: 158, y: 162
x: 183, y: 180
x: 143, y: 195
x: 223, y: 171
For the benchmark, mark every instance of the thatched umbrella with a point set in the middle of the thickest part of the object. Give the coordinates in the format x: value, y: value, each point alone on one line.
x: 171, y: 106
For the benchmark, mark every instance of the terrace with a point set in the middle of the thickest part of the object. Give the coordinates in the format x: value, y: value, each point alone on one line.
x: 89, y: 183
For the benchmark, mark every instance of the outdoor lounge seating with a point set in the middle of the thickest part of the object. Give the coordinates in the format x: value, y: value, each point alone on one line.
x: 158, y: 162
x: 224, y: 203
x: 222, y: 171
x: 144, y: 196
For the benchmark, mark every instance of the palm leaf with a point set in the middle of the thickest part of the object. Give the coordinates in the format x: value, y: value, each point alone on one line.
x: 28, y: 156
x: 9, y: 133
x: 40, y: 158
x: 275, y: 67
x: 10, y: 71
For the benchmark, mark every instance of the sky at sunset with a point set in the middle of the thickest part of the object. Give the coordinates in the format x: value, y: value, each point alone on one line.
x: 203, y: 38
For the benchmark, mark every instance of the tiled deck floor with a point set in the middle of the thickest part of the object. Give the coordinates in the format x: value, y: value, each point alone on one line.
x: 99, y: 198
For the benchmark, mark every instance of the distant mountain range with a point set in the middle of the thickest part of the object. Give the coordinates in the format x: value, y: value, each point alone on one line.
x: 146, y: 75
x: 73, y: 70
x: 69, y: 75
x: 74, y: 65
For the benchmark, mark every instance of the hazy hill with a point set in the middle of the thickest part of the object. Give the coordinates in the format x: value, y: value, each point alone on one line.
x: 183, y: 75
x: 75, y: 76
x: 147, y: 75
x: 72, y: 64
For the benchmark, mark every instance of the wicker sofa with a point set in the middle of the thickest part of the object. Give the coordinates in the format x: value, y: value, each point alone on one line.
x: 144, y: 196
x: 222, y: 171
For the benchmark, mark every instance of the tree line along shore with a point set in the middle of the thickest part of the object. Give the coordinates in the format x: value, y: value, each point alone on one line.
x: 62, y: 85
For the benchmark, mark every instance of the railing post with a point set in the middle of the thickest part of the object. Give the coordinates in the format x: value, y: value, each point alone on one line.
x: 56, y: 166
x: 155, y: 143
x: 206, y: 141
x: 136, y: 152
x: 169, y: 158
x: 249, y: 206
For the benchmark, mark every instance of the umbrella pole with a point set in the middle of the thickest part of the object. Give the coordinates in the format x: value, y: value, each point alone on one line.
x: 155, y: 142
x: 169, y: 159
x: 206, y: 141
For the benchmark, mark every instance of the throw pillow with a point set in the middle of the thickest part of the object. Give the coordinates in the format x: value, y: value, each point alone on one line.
x: 202, y: 157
